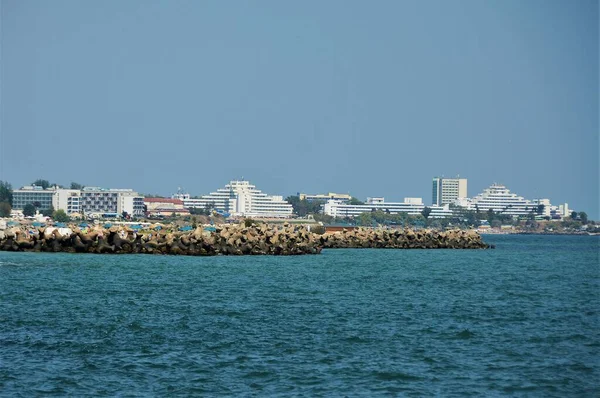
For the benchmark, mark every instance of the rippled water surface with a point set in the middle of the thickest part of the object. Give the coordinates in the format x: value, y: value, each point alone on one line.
x: 522, y: 319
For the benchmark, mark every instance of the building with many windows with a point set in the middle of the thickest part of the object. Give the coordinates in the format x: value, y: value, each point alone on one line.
x: 499, y: 199
x: 67, y: 200
x: 448, y: 190
x: 343, y: 197
x: 413, y: 206
x: 240, y: 198
x: 89, y: 200
x: 31, y: 194
x: 95, y: 200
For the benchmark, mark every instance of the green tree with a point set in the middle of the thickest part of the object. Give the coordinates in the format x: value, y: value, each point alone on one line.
x: 41, y: 183
x: 355, y: 201
x: 540, y: 209
x: 365, y: 219
x: 29, y: 210
x: 574, y: 215
x: 196, y: 211
x: 304, y: 207
x: 426, y: 212
x: 379, y: 216
x: 60, y: 216
x: 416, y: 220
x: 325, y: 219
x: 436, y: 223
x: 6, y: 192
x: 583, y: 217
x: 47, y: 212
x: 5, y: 209
x: 491, y: 215
x: 75, y: 185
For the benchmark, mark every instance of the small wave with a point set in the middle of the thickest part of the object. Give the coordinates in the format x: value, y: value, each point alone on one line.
x: 10, y: 263
x: 390, y: 376
x: 356, y: 339
x: 464, y: 334
x: 257, y: 374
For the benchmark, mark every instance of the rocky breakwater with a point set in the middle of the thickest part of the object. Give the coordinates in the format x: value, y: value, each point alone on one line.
x: 404, y: 239
x: 224, y: 240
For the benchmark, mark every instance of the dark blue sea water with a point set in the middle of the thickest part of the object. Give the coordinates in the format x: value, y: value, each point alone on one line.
x: 522, y: 319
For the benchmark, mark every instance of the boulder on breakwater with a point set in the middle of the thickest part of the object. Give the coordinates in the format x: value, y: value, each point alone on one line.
x: 404, y: 239
x: 225, y: 240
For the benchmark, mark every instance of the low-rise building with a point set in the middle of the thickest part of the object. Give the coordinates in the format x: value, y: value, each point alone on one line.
x: 413, y: 206
x: 31, y: 194
x: 164, y: 207
x: 95, y: 200
x: 342, y: 197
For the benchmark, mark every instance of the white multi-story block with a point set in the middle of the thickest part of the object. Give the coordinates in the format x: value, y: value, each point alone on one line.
x: 448, y: 190
x: 240, y: 198
x: 499, y: 199
x: 96, y: 200
x: 413, y: 206
x: 68, y: 200
x: 343, y: 197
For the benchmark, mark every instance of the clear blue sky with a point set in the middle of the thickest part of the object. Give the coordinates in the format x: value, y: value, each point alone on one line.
x: 372, y: 98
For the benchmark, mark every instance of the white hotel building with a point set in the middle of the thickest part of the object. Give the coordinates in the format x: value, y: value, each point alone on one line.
x: 499, y: 199
x: 240, y: 198
x: 89, y: 200
x: 448, y: 190
x: 413, y: 206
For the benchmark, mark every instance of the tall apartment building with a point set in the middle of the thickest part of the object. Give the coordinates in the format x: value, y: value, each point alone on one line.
x: 447, y: 190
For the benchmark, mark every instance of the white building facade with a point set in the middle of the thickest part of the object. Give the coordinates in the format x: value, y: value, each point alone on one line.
x: 499, y: 199
x: 68, y: 200
x: 412, y: 206
x: 343, y: 197
x: 39, y: 197
x: 89, y: 200
x: 240, y: 198
x: 95, y: 200
x: 448, y: 190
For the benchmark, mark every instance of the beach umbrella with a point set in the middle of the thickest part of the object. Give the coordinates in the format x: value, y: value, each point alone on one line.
x: 107, y: 225
x: 83, y: 225
x: 60, y: 225
x: 210, y: 229
x: 13, y: 223
x: 37, y: 224
x: 136, y: 227
x: 186, y: 228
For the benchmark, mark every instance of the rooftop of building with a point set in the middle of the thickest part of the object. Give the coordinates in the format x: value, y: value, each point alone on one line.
x: 164, y: 200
